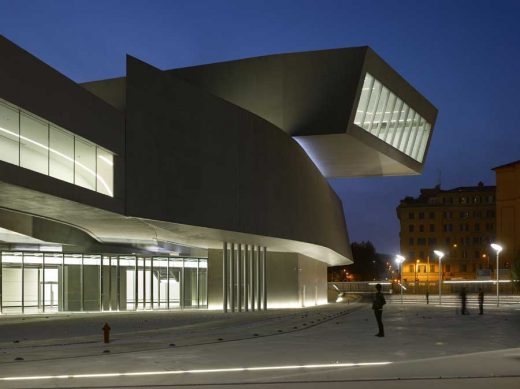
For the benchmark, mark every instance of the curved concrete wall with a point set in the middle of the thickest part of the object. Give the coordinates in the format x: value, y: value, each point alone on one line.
x: 193, y: 158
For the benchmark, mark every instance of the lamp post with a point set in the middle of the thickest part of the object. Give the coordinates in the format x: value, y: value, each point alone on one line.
x: 399, y: 259
x: 498, y: 249
x: 439, y: 254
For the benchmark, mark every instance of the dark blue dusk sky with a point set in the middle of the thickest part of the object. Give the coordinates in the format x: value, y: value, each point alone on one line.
x: 463, y: 56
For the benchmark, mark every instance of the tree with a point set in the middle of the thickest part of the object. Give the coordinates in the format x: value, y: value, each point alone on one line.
x: 367, y: 263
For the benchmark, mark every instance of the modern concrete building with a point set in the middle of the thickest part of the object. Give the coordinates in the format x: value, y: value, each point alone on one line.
x: 195, y: 187
x: 459, y: 221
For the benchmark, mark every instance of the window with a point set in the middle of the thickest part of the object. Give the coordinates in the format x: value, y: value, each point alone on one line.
x: 61, y: 156
x: 448, y: 214
x: 36, y: 144
x: 448, y: 227
x: 9, y: 134
x: 384, y: 115
x: 421, y: 215
x: 477, y: 227
x: 464, y: 214
x: 462, y: 200
x: 411, y: 269
x: 432, y: 241
x: 432, y: 227
x: 490, y: 213
x: 432, y: 215
x: 410, y: 228
x: 410, y: 241
x: 448, y: 241
x: 411, y: 215
x: 421, y: 241
x: 432, y: 268
x: 421, y: 228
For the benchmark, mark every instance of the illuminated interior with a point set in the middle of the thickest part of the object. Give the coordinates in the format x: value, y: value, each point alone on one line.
x: 36, y: 144
x: 34, y: 282
x: 383, y: 114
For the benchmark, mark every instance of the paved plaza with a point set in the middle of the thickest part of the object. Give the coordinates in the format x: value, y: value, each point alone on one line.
x: 329, y: 346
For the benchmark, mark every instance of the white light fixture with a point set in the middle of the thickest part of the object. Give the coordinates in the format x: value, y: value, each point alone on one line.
x: 438, y: 253
x: 399, y: 259
x: 498, y: 248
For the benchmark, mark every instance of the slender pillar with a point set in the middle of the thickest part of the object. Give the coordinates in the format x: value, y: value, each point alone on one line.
x: 183, y: 284
x: 225, y: 274
x: 1, y: 275
x: 118, y: 284
x: 258, y: 279
x: 136, y: 283
x: 82, y: 285
x: 239, y: 277
x: 43, y: 283
x: 23, y: 282
x: 232, y: 270
x: 151, y: 283
x: 264, y: 277
x: 144, y: 283
x: 198, y: 282
x: 168, y: 283
x: 246, y: 277
x: 253, y: 278
x: 110, y: 283
x: 101, y: 289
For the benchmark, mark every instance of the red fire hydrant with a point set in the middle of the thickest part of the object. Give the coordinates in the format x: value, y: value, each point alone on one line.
x: 106, y: 333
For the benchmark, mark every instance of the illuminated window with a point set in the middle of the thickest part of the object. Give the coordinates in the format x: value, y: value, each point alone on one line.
x: 36, y: 144
x: 381, y: 113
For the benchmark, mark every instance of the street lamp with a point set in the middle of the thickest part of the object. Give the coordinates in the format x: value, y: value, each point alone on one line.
x: 399, y: 259
x: 498, y: 249
x: 439, y: 254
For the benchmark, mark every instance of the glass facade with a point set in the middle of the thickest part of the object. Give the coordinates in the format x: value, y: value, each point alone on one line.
x: 383, y: 114
x: 34, y: 282
x: 36, y: 144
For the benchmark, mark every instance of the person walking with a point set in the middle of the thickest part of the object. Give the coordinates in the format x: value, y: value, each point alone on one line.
x: 463, y: 301
x: 377, y: 305
x: 480, y: 301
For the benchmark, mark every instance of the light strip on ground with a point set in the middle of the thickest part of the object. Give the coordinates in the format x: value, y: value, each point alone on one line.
x: 197, y: 371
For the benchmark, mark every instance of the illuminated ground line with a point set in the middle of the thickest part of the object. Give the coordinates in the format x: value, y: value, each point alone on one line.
x: 196, y: 371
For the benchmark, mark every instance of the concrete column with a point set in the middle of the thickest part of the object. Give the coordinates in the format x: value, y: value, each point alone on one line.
x: 239, y: 277
x: 168, y: 283
x: 258, y: 279
x: 253, y: 278
x: 151, y: 283
x: 264, y: 277
x: 232, y: 283
x: 23, y: 282
x: 82, y: 284
x: 101, y: 289
x: 225, y: 274
x: 136, y: 283
x: 43, y: 283
x: 246, y: 277
x: 1, y: 291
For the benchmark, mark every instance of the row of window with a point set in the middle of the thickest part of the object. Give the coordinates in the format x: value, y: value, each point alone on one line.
x: 464, y: 227
x: 33, y: 143
x: 463, y: 268
x: 463, y: 241
x: 383, y: 114
x: 449, y: 214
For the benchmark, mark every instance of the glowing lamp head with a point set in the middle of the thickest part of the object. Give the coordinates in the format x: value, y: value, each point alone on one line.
x: 496, y: 247
x: 438, y: 253
x: 399, y: 259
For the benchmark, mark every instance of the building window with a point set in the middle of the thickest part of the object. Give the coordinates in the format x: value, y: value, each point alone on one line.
x: 448, y: 227
x: 421, y: 241
x: 36, y: 144
x: 432, y: 215
x: 411, y: 269
x: 411, y: 215
x: 410, y: 241
x: 384, y: 115
x: 432, y: 241
x: 432, y: 268
x: 477, y: 227
x: 464, y: 214
x: 448, y: 214
x: 448, y: 241
x: 490, y: 213
x: 410, y: 228
x: 432, y: 227
x: 421, y: 228
x: 421, y: 215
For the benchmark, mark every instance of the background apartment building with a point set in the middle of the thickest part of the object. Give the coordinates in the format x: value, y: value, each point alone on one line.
x: 459, y: 221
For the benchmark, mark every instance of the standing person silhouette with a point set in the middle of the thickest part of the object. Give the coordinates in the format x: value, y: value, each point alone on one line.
x: 463, y: 300
x: 480, y: 301
x: 377, y: 305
